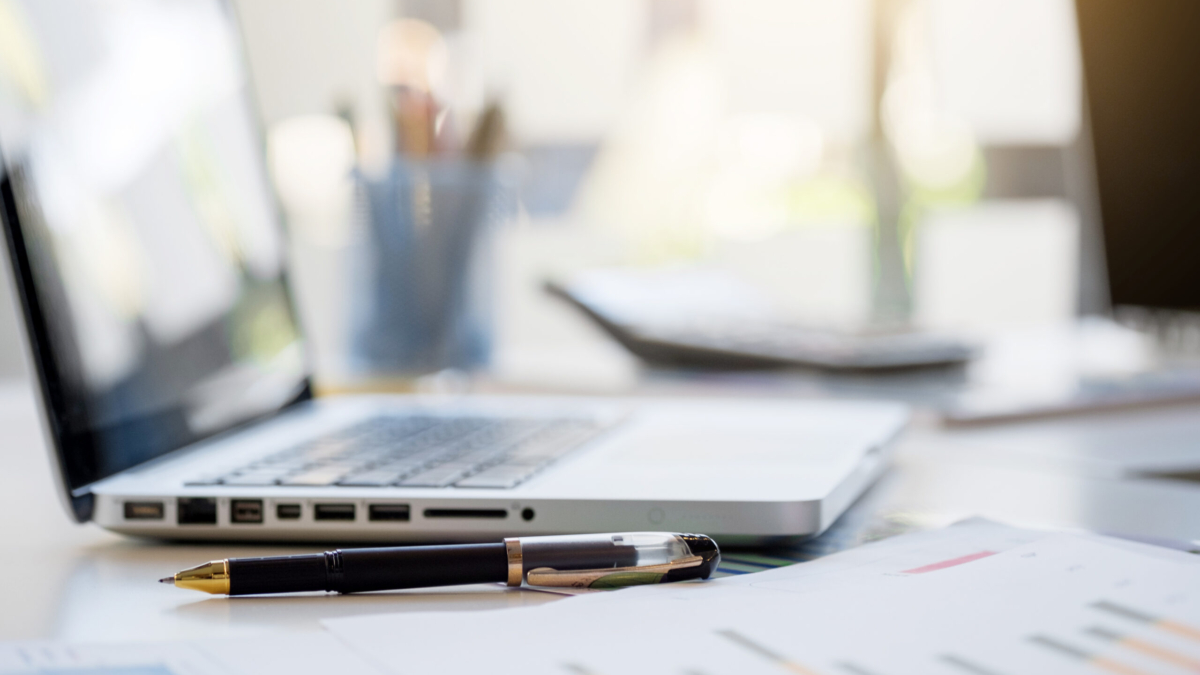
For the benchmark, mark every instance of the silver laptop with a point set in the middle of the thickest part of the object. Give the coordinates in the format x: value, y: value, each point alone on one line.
x: 149, y: 259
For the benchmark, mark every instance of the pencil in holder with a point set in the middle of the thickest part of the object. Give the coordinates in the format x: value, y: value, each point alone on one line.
x: 423, y: 273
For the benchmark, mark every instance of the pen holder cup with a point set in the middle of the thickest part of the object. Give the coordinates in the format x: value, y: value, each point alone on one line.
x: 423, y: 276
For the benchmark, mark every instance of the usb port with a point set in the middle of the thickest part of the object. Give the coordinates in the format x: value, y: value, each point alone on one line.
x: 287, y: 511
x: 388, y: 512
x: 143, y: 510
x: 197, y: 511
x: 333, y: 512
x: 246, y: 511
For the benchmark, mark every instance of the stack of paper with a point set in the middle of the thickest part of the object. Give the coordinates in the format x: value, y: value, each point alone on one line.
x: 972, y: 599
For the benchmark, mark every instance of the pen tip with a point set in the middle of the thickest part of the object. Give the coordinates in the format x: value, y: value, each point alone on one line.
x: 167, y: 580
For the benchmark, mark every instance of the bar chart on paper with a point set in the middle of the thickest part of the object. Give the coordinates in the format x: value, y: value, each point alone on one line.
x: 1130, y: 653
x: 1061, y: 604
x: 1111, y: 643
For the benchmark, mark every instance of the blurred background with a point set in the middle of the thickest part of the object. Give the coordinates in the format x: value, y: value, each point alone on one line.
x: 857, y: 162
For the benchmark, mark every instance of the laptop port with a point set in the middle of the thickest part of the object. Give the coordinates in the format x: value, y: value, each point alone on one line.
x: 333, y: 512
x: 388, y: 512
x: 197, y: 511
x: 143, y: 510
x: 287, y: 511
x: 246, y: 511
x: 466, y: 513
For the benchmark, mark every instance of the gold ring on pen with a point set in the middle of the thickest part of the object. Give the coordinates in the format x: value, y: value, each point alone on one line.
x: 516, y: 562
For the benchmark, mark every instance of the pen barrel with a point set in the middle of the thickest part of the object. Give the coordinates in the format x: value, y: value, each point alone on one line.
x: 370, y: 569
x: 378, y: 569
x: 278, y: 574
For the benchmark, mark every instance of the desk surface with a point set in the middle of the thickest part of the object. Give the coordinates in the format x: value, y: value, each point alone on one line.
x: 82, y: 583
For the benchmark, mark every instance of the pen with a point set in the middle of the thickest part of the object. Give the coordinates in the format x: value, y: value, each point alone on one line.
x: 576, y: 561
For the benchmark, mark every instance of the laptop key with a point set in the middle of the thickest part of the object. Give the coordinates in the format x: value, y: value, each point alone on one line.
x: 478, y: 457
x: 502, y: 476
x: 379, y: 476
x: 545, y: 448
x: 370, y: 479
x: 324, y: 475
x: 439, y: 476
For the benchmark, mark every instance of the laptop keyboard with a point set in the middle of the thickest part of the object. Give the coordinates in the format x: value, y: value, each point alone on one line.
x: 418, y: 452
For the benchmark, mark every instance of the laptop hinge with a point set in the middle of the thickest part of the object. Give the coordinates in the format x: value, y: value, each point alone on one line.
x: 83, y: 505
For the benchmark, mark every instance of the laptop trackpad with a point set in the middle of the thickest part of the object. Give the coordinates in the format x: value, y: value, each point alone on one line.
x: 730, y: 450
x: 722, y: 442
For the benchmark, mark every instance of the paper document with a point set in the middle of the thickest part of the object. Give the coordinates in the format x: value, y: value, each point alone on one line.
x: 971, y: 600
x: 312, y: 653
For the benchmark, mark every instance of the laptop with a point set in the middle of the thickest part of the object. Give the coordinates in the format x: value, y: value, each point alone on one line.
x: 148, y: 255
x: 699, y: 318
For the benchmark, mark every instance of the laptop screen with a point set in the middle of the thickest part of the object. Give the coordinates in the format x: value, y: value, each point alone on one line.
x: 145, y: 240
x: 1140, y: 59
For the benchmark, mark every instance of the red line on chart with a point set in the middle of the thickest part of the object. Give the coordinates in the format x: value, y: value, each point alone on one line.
x: 953, y: 562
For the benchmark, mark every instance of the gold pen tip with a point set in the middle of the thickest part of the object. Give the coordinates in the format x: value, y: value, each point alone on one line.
x: 167, y: 580
x: 211, y: 577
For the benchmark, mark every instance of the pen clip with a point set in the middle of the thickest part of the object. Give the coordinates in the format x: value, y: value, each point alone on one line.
x: 612, y: 577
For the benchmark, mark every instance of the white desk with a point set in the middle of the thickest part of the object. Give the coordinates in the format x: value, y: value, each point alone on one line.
x: 60, y: 580
x: 79, y: 582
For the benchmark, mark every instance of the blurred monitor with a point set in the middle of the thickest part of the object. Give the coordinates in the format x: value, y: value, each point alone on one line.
x: 145, y: 242
x: 1140, y: 62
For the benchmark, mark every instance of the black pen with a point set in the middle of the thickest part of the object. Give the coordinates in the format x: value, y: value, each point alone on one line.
x: 576, y: 561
